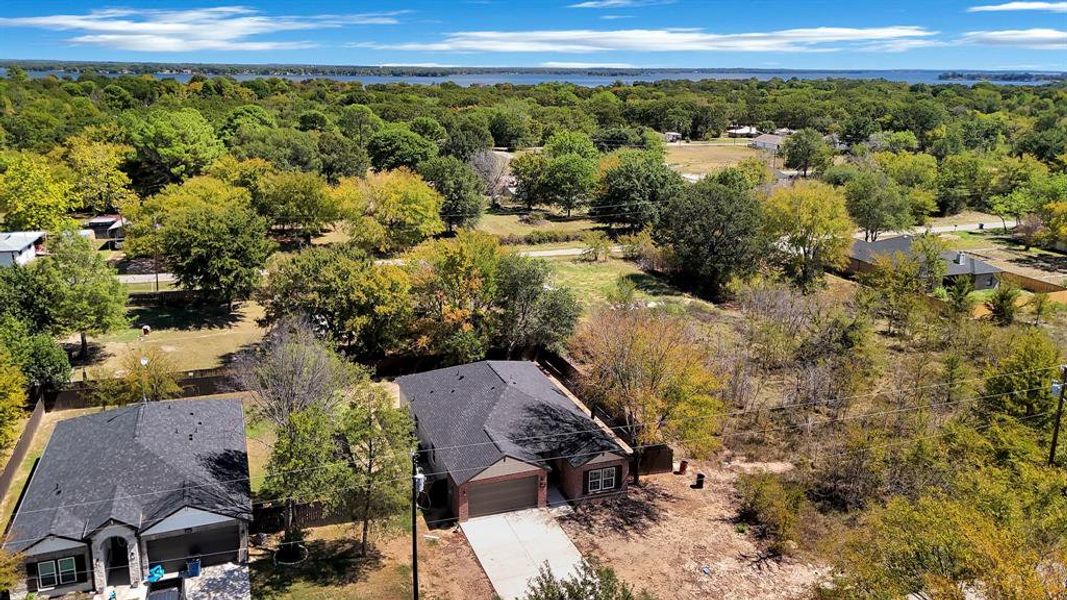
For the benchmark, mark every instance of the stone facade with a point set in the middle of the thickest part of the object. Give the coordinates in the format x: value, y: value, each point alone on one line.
x: 100, y: 540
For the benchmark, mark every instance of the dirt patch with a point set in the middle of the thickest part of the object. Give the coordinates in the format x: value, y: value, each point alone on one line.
x: 686, y: 541
x: 701, y: 159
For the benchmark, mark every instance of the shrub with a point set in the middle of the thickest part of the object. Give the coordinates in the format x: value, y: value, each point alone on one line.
x: 1001, y: 303
x: 541, y: 237
x: 773, y: 506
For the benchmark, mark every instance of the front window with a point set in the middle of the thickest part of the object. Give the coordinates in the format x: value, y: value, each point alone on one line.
x: 68, y: 572
x: 46, y: 574
x: 601, y: 480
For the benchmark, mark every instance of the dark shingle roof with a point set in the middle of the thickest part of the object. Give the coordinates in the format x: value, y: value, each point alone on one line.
x: 136, y: 465
x: 478, y: 413
x: 958, y: 263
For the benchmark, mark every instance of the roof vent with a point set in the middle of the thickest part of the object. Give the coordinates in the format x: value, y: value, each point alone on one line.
x: 57, y: 491
x: 961, y: 258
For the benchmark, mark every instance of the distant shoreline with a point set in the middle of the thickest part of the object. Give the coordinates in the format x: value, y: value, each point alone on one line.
x: 488, y: 75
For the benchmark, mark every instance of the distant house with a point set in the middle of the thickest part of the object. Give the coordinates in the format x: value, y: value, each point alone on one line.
x: 746, y: 131
x: 501, y: 433
x: 768, y: 141
x: 672, y: 136
x: 108, y: 227
x: 983, y: 275
x: 784, y: 131
x: 120, y: 491
x: 20, y: 247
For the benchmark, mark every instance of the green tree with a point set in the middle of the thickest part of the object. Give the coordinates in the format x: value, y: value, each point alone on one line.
x: 395, y: 147
x: 341, y: 157
x: 352, y: 302
x: 634, y: 188
x: 42, y: 361
x: 247, y: 115
x: 89, y: 297
x: 567, y: 181
x: 899, y: 287
x: 171, y: 145
x: 390, y: 211
x: 876, y: 204
x: 811, y: 221
x: 961, y: 302
x: 467, y: 138
x: 532, y: 312
x: 99, y: 183
x: 715, y: 232
x: 12, y: 400
x: 1019, y: 384
x: 589, y: 582
x: 374, y: 440
x: 312, y: 120
x: 148, y: 374
x: 296, y: 200
x: 32, y: 196
x: 1003, y: 303
x: 286, y: 149
x: 217, y: 248
x: 571, y: 142
x: 459, y: 186
x: 807, y: 151
x: 429, y: 128
x: 359, y: 123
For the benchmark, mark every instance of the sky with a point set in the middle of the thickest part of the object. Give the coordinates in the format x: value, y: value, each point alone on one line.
x: 769, y: 34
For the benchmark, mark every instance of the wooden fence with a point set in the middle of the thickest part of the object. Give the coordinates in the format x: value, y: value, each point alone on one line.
x: 1031, y: 284
x: 22, y: 448
x: 196, y: 382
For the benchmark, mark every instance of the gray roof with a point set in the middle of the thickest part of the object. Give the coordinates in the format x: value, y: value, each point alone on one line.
x: 17, y: 241
x: 958, y: 263
x: 476, y: 414
x: 768, y: 138
x: 136, y: 465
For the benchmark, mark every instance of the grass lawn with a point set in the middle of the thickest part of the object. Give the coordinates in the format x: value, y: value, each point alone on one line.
x: 593, y: 281
x: 504, y: 224
x: 701, y: 159
x: 164, y: 286
x: 195, y: 336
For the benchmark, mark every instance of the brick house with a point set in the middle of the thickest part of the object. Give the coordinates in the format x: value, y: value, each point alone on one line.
x: 501, y: 433
x: 119, y: 491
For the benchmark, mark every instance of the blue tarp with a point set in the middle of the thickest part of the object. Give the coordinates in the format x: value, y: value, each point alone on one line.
x: 155, y: 573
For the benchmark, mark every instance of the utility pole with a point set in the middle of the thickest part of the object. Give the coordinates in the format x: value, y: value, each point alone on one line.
x: 417, y: 482
x: 1059, y: 417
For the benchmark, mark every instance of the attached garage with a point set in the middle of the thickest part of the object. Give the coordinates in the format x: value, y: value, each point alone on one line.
x: 502, y: 496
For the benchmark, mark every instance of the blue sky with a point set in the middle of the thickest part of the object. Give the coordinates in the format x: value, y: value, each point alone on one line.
x: 837, y: 34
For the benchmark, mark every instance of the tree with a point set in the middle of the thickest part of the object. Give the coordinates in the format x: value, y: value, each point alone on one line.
x: 1018, y: 385
x: 148, y: 374
x: 807, y: 151
x: 960, y: 301
x: 32, y: 196
x: 899, y: 287
x: 12, y: 400
x: 650, y: 369
x: 1041, y: 306
x: 341, y: 157
x: 1019, y: 202
x: 89, y: 297
x: 390, y: 211
x: 42, y: 361
x: 532, y: 313
x: 460, y: 188
x: 395, y: 147
x: 171, y: 145
x: 375, y: 443
x: 875, y: 204
x: 312, y: 120
x: 467, y: 139
x: 589, y: 582
x: 217, y: 248
x: 928, y: 250
x: 247, y: 115
x: 491, y: 168
x: 633, y: 190
x: 286, y: 149
x: 571, y: 142
x: 715, y: 232
x: 962, y: 182
x: 567, y: 181
x: 12, y: 566
x: 811, y: 221
x: 99, y: 183
x: 1002, y: 303
x: 296, y: 200
x: 358, y: 123
x: 429, y: 128
x: 349, y: 300
x: 909, y: 170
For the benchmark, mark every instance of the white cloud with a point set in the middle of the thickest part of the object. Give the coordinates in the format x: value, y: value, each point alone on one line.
x: 615, y: 17
x: 586, y: 65
x: 1056, y: 7
x: 619, y: 3
x: 217, y: 28
x: 661, y: 40
x: 1035, y: 39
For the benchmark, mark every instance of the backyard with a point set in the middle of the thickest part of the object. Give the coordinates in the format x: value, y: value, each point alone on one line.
x: 703, y: 158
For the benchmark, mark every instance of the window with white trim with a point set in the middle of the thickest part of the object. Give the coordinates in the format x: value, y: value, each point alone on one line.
x: 600, y: 480
x: 46, y: 574
x: 68, y: 570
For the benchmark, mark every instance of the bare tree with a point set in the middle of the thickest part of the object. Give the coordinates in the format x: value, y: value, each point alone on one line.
x: 293, y: 371
x: 492, y: 169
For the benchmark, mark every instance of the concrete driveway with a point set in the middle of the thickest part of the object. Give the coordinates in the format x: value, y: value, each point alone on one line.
x: 512, y: 547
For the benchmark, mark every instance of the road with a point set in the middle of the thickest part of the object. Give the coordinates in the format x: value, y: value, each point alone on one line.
x: 567, y: 252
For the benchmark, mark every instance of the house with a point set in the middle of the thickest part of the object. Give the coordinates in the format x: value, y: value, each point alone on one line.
x: 108, y: 227
x: 120, y: 491
x: 784, y: 131
x: 746, y: 131
x: 672, y: 136
x: 20, y: 247
x: 958, y: 264
x: 768, y: 141
x: 501, y: 433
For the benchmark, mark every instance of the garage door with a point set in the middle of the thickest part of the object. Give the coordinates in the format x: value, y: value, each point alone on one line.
x: 212, y: 546
x: 502, y: 496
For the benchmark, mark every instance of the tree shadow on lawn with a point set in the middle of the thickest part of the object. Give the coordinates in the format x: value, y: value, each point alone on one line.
x: 330, y: 564
x: 183, y: 318
x: 630, y: 514
x: 1044, y: 261
x: 652, y: 285
x: 95, y: 354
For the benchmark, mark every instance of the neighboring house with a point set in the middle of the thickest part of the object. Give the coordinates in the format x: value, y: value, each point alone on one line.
x: 20, y: 247
x: 784, y: 131
x: 746, y: 131
x: 958, y: 264
x: 502, y: 432
x: 108, y: 227
x: 120, y: 491
x: 768, y: 141
x: 672, y: 136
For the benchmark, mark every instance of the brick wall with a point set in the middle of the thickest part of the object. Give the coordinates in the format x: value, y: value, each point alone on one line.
x: 572, y: 480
